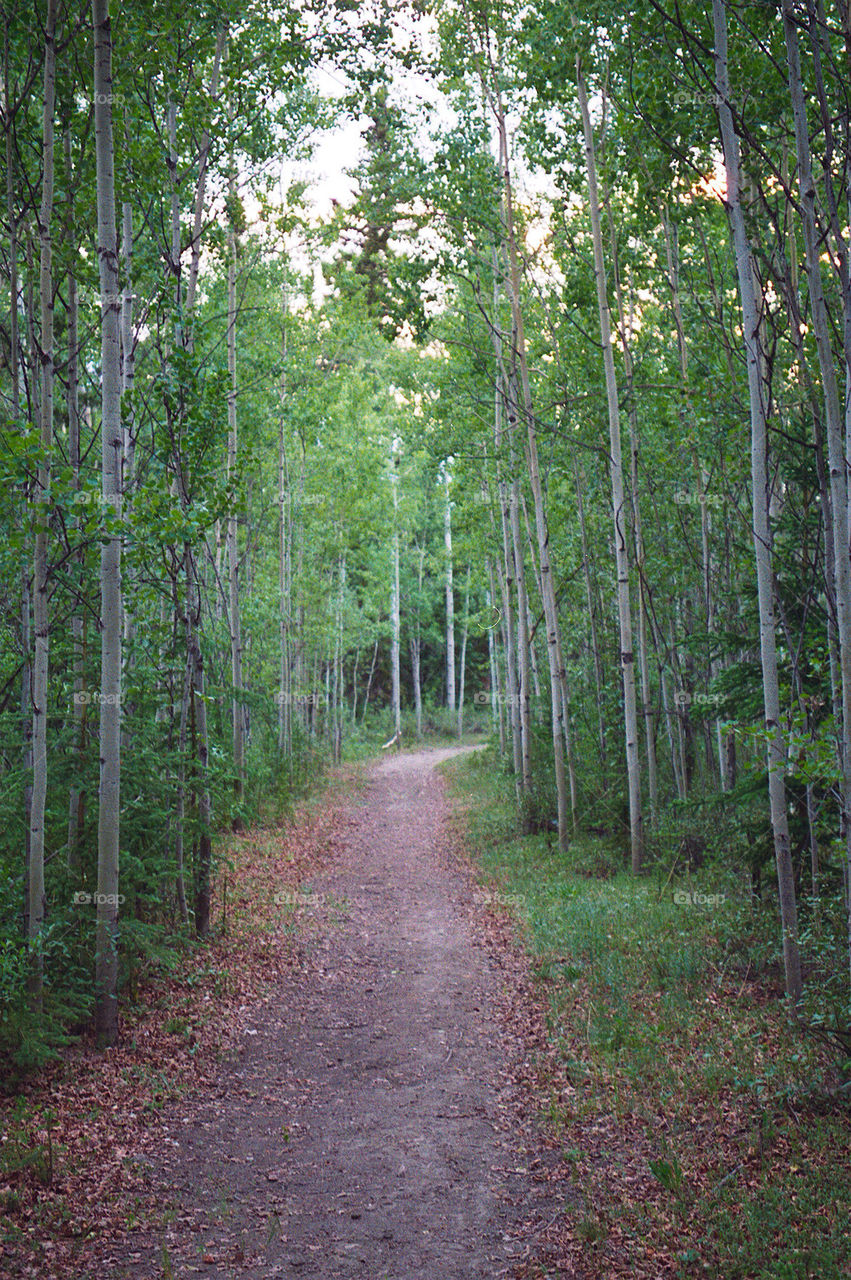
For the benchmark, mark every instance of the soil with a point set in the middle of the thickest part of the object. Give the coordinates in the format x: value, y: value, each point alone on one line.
x: 373, y: 1123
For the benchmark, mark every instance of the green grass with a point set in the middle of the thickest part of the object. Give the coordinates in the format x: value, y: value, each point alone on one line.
x: 654, y: 1013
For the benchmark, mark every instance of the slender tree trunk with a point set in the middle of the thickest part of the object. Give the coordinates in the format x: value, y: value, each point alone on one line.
x: 507, y: 569
x: 128, y: 374
x: 416, y: 646
x: 112, y: 448
x: 672, y: 255
x: 180, y: 799
x: 355, y: 687
x: 201, y: 185
x: 591, y: 600
x: 523, y: 669
x: 75, y: 796
x: 627, y: 660
x: 497, y: 696
x: 450, y: 601
x: 547, y: 585
x: 15, y: 379
x: 776, y: 750
x: 338, y: 678
x: 42, y: 515
x: 284, y: 557
x: 198, y: 714
x: 395, y: 623
x: 463, y: 664
x: 839, y: 531
x: 369, y: 681
x: 232, y: 547
x: 625, y: 326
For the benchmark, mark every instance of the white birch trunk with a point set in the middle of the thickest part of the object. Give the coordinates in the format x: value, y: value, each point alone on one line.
x: 75, y: 795
x: 450, y: 601
x: 506, y: 568
x: 627, y: 659
x: 834, y: 419
x: 395, y: 623
x: 546, y: 576
x: 232, y: 547
x: 112, y: 449
x: 463, y: 664
x: 776, y: 750
x: 284, y: 557
x: 35, y: 922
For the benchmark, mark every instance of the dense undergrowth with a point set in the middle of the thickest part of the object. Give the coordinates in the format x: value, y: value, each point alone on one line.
x: 665, y: 1004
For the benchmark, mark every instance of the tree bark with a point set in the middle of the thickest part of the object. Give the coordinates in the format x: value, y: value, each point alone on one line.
x: 463, y: 663
x: 776, y: 750
x: 232, y: 547
x: 450, y: 600
x: 627, y: 659
x: 833, y: 418
x: 76, y: 799
x: 42, y: 518
x: 395, y: 641
x: 112, y: 448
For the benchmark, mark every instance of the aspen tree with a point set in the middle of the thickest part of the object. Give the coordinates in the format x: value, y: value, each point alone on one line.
x: 112, y: 448
x: 776, y: 747
x: 839, y: 530
x: 41, y: 624
x: 619, y: 508
x: 450, y: 597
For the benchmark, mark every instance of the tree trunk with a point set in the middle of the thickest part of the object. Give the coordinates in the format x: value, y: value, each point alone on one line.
x: 180, y: 802
x: 201, y: 187
x: 198, y: 713
x: 395, y: 644
x: 506, y: 569
x: 833, y: 418
x: 416, y: 646
x: 232, y: 547
x: 369, y: 681
x: 497, y: 696
x: 42, y: 519
x: 112, y: 448
x: 547, y: 585
x: 591, y: 600
x: 284, y: 557
x: 75, y: 795
x: 627, y: 660
x: 776, y: 750
x: 463, y: 664
x: 450, y: 600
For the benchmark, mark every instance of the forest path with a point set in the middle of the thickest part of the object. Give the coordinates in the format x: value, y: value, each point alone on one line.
x: 369, y: 1128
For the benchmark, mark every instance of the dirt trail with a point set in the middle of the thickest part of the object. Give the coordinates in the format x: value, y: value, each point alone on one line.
x: 365, y: 1131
